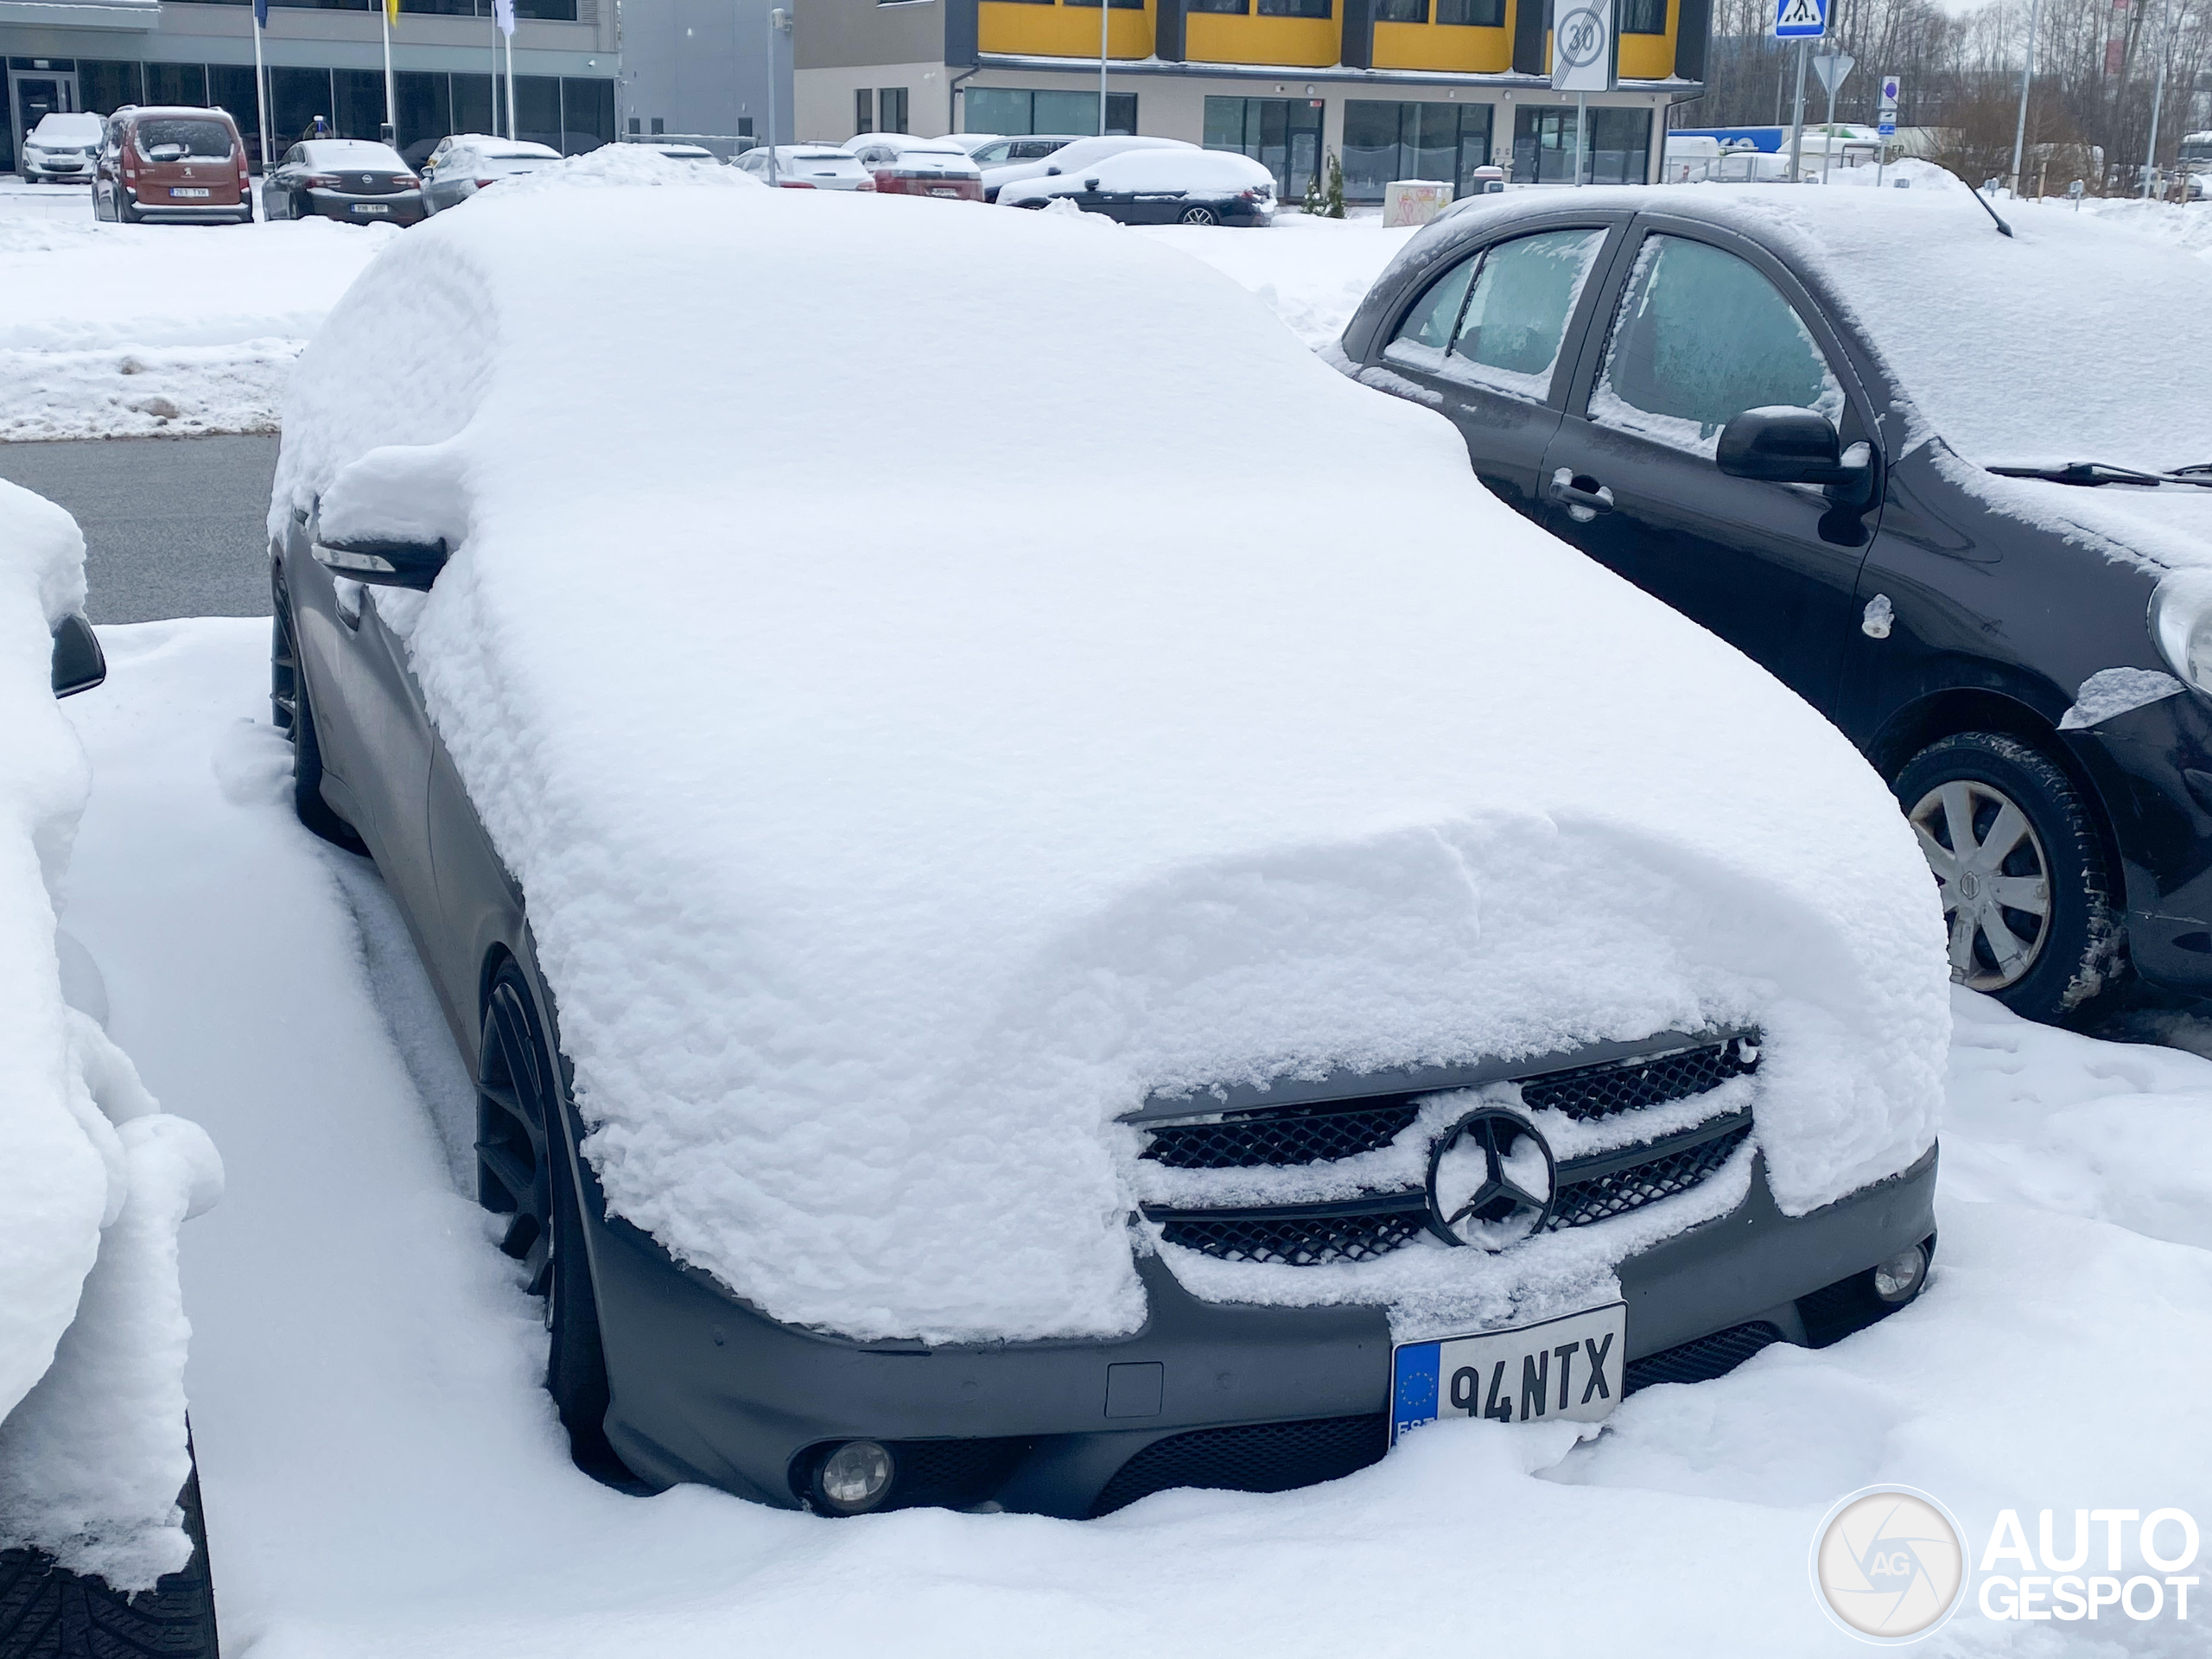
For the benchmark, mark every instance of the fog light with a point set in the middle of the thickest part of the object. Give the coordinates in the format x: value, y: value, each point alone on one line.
x: 854, y: 1477
x: 1898, y: 1279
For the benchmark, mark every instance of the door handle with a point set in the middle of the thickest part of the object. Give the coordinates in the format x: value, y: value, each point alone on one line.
x: 1583, y: 498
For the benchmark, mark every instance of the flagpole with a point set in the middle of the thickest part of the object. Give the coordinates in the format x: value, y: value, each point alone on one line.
x: 390, y: 101
x: 260, y: 86
x: 510, y: 86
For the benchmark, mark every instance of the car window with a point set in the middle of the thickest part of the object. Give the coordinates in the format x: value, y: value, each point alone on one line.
x: 1519, y: 305
x: 1035, y: 150
x: 184, y: 138
x: 1701, y: 336
x: 1432, y: 318
x: 992, y: 154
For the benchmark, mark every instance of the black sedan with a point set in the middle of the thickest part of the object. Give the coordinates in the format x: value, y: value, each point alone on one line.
x: 1934, y: 473
x: 350, y: 178
x: 1159, y: 186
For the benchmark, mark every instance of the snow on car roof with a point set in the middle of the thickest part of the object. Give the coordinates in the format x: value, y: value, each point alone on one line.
x: 1215, y: 170
x: 887, y: 832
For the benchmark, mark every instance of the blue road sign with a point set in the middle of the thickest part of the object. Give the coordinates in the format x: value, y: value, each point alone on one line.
x: 1798, y: 20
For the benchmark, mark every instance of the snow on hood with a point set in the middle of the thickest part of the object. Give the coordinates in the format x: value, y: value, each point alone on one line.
x: 891, y: 828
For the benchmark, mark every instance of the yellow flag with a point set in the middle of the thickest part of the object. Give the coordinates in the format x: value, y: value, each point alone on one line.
x: 391, y: 12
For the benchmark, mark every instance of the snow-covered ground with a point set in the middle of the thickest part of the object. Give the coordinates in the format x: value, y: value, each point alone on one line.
x: 133, y: 330
x: 383, y: 1476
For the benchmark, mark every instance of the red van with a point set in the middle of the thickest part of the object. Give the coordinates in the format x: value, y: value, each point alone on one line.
x: 172, y: 164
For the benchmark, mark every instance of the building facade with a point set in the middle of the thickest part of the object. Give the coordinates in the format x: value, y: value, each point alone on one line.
x: 323, y: 60
x: 708, y: 69
x: 1397, y: 89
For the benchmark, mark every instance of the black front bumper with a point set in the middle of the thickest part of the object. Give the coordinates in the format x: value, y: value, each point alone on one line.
x: 707, y: 1389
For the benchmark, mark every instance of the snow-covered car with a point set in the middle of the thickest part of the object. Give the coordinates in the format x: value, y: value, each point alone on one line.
x: 460, y: 168
x: 686, y: 153
x: 102, y: 1551
x: 1160, y: 187
x: 1798, y: 422
x: 61, y: 149
x: 1068, y: 157
x: 903, y: 165
x: 351, y: 179
x: 1036, y: 994
x: 807, y: 167
x: 989, y: 150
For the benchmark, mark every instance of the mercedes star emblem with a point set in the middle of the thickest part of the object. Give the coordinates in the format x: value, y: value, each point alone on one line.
x: 1491, y: 1180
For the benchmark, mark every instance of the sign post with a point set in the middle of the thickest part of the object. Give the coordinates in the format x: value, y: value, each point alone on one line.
x: 1800, y: 21
x: 1885, y: 124
x: 1832, y: 67
x: 1582, y: 61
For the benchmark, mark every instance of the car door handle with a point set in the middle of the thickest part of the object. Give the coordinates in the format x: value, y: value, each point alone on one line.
x: 1583, y: 498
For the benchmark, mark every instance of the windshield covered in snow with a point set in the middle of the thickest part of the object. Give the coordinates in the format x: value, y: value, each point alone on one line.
x: 184, y: 138
x: 68, y: 130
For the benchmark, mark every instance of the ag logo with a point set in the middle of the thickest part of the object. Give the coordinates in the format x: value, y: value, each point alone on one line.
x: 1579, y: 38
x: 1889, y: 1564
x: 1490, y: 1180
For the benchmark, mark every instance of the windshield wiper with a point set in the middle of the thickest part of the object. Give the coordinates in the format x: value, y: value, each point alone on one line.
x: 2090, y: 474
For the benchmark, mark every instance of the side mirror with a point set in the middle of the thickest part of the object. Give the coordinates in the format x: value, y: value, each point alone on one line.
x: 78, y: 663
x: 385, y: 564
x: 1785, y: 446
x: 1051, y: 172
x: 1090, y: 184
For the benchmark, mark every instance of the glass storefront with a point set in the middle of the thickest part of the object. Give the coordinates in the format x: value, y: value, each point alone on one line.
x: 1383, y: 142
x: 1616, y: 149
x: 1283, y: 134
x: 1014, y: 111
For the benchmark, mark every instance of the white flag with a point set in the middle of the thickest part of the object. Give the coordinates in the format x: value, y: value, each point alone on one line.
x: 504, y: 12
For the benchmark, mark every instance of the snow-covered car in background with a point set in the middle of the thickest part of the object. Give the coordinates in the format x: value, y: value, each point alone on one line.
x: 460, y: 166
x: 349, y: 179
x: 102, y: 1551
x: 1161, y: 187
x: 904, y: 166
x: 1068, y: 157
x: 1014, y: 995
x: 806, y: 167
x: 61, y: 149
x: 989, y: 150
x: 1797, y: 419
x: 685, y: 153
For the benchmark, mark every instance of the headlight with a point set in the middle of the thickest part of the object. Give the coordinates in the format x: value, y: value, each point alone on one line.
x: 2181, y: 621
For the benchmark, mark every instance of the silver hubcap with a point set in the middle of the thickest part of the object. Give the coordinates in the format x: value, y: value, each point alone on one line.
x: 1994, y: 879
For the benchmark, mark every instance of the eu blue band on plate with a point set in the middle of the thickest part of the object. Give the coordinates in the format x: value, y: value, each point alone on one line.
x: 1413, y: 1388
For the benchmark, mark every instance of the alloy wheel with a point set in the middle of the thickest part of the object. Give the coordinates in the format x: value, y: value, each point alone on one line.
x: 514, y: 1147
x: 1199, y: 216
x: 1994, y: 878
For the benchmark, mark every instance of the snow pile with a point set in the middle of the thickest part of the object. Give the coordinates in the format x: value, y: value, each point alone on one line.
x: 628, y: 164
x: 94, y: 1179
x: 886, y: 838
x: 1312, y: 273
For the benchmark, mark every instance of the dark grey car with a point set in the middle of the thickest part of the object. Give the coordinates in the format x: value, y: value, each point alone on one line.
x: 348, y: 179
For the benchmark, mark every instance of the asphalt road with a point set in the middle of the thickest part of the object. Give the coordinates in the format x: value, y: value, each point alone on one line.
x: 173, y: 526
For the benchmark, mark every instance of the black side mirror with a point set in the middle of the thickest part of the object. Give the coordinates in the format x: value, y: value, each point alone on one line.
x: 1787, y: 445
x: 385, y: 564
x: 1090, y: 184
x: 1051, y: 172
x: 78, y: 663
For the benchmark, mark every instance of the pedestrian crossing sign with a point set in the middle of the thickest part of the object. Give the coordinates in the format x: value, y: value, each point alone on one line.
x: 1796, y: 20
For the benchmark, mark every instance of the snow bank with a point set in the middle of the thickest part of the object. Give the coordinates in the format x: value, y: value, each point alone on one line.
x: 887, y: 835
x: 94, y: 1179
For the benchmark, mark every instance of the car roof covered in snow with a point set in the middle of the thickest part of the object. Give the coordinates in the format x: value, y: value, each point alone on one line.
x: 889, y: 831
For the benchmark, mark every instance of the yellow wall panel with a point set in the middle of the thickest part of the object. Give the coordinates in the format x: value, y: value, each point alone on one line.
x: 1059, y: 31
x: 1218, y: 37
x: 1435, y: 46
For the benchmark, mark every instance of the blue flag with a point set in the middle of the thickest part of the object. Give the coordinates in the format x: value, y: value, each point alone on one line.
x: 261, y: 13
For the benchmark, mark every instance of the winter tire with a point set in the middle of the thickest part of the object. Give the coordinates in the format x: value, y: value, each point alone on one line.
x: 2018, y: 858
x: 287, y: 699
x: 49, y: 1612
x: 524, y: 1171
x: 1199, y: 216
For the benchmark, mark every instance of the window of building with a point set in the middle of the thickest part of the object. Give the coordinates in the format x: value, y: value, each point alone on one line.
x: 1642, y: 16
x: 357, y: 103
x: 1233, y: 8
x: 1297, y: 8
x: 1119, y: 5
x: 1383, y: 142
x: 1401, y: 11
x: 891, y: 109
x: 538, y: 110
x: 863, y: 110
x: 1016, y: 109
x: 587, y: 113
x: 296, y: 96
x: 636, y: 130
x: 230, y: 86
x: 660, y: 125
x: 471, y: 103
x: 1474, y: 14
x: 1283, y: 134
x: 103, y: 88
x: 1616, y: 148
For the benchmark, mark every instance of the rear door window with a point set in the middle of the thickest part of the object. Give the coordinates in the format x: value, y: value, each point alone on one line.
x: 1500, y: 317
x: 1701, y: 336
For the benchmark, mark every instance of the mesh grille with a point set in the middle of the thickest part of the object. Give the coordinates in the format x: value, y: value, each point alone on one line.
x: 1593, y: 1091
x: 1702, y: 1360
x: 951, y: 1474
x: 1249, y: 1458
x: 1297, y: 1135
x: 1294, y: 1240
x: 1620, y: 1191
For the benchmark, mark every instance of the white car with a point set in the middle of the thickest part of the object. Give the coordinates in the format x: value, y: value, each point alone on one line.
x: 1077, y: 153
x: 97, y: 1481
x: 904, y: 165
x: 989, y: 152
x: 685, y: 153
x: 62, y: 149
x: 1160, y: 187
x: 467, y: 163
x: 807, y: 167
x: 1187, y: 957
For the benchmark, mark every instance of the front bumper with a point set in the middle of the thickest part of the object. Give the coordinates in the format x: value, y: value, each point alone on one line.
x: 708, y: 1389
x: 58, y: 171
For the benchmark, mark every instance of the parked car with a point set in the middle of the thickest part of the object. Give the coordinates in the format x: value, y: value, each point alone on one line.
x: 905, y: 166
x: 988, y: 152
x: 1803, y: 425
x: 350, y: 178
x: 462, y: 166
x: 687, y: 153
x: 102, y: 1550
x: 1161, y: 187
x: 995, y: 995
x: 62, y: 149
x: 1076, y: 153
x: 807, y: 167
x: 163, y: 164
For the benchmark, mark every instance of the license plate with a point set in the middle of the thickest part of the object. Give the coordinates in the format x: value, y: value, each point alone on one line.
x: 938, y: 190
x: 186, y: 190
x: 1568, y: 1368
x: 371, y: 207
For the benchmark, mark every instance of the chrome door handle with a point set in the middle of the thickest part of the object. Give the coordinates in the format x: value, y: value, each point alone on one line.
x: 1582, y: 503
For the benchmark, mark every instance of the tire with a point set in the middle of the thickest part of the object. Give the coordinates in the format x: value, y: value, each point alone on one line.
x: 2042, y: 963
x: 290, y: 712
x: 49, y: 1612
x: 124, y: 212
x: 523, y: 1171
x: 1198, y: 216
